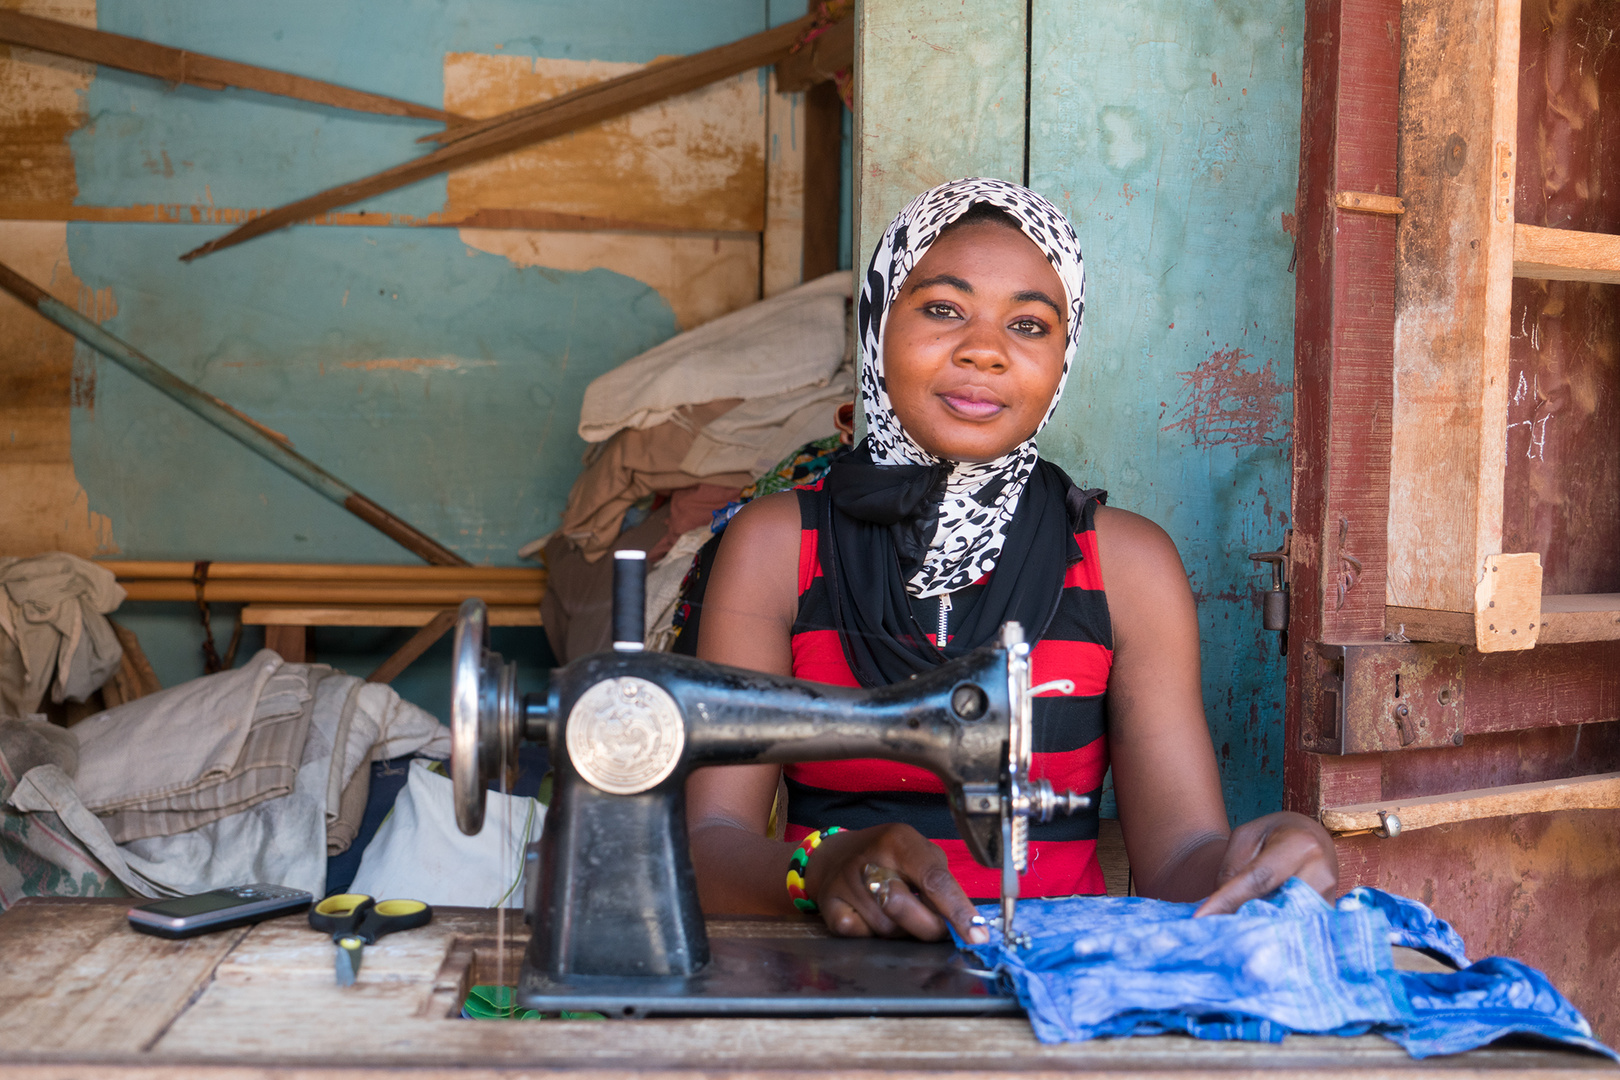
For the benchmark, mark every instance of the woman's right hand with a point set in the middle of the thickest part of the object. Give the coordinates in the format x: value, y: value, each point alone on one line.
x: 918, y: 905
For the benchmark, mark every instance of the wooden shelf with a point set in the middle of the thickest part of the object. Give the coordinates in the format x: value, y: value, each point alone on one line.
x: 1587, y: 617
x: 1565, y: 255
x: 1565, y: 619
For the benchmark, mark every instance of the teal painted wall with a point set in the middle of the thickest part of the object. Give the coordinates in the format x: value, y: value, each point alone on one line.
x: 471, y: 436
x: 1169, y: 132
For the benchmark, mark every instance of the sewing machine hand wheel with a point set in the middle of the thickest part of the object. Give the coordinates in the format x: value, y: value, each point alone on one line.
x: 484, y: 713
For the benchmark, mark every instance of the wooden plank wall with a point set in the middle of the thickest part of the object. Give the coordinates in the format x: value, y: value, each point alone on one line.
x: 430, y: 346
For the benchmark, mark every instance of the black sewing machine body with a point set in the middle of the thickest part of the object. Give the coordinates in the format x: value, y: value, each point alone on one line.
x: 611, y: 894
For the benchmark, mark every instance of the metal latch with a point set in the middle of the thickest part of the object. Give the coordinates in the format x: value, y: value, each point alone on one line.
x: 1274, y: 605
x: 1365, y: 699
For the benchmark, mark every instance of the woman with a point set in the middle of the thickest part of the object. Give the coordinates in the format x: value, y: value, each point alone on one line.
x: 943, y: 524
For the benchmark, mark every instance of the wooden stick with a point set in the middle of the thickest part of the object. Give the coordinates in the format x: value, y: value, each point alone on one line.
x: 196, y: 69
x: 419, y: 643
x: 326, y: 592
x: 523, y: 127
x: 176, y: 570
x: 1599, y: 792
x: 243, y: 429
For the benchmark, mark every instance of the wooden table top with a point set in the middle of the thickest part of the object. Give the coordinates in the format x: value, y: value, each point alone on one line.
x: 82, y: 995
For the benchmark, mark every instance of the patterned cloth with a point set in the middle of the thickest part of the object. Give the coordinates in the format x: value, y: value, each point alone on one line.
x: 980, y: 497
x: 1289, y: 962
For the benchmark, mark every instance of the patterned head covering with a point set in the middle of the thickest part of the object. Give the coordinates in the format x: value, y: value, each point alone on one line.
x: 979, y: 497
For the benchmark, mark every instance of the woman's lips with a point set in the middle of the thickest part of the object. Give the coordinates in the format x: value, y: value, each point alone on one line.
x: 972, y: 402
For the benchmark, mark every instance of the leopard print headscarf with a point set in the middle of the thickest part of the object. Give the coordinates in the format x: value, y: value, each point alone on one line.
x: 980, y: 497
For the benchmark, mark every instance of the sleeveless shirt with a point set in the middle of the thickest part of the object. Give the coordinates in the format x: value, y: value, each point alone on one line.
x: 1069, y: 668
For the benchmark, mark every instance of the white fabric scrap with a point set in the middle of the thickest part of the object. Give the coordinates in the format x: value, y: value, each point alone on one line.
x: 793, y: 340
x: 420, y: 852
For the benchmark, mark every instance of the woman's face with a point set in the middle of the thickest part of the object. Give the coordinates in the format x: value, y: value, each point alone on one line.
x: 973, y: 348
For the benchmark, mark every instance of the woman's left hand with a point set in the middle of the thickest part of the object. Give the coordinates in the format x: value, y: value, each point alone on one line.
x: 1266, y: 852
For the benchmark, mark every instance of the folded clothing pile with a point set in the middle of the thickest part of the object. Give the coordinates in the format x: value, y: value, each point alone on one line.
x: 689, y: 425
x: 255, y: 774
x: 1290, y: 962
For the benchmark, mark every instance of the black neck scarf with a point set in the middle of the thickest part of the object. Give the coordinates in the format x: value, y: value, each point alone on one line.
x: 875, y: 525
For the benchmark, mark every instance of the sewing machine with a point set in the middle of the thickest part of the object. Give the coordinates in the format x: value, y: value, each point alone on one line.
x: 611, y: 894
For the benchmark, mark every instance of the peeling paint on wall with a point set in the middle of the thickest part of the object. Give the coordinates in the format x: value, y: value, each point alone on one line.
x: 696, y: 161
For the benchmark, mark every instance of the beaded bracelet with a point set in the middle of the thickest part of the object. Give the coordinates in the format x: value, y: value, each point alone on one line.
x: 797, y: 869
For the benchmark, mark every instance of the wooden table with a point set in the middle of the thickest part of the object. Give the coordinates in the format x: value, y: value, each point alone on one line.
x: 82, y: 996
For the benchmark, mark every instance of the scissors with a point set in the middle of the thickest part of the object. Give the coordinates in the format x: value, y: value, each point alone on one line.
x: 355, y: 920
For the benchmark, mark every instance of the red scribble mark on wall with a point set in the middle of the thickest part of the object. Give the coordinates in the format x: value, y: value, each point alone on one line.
x: 1226, y: 404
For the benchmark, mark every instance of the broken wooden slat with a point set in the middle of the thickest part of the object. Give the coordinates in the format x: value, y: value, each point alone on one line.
x: 819, y: 60
x: 1565, y: 255
x: 243, y: 429
x: 196, y: 69
x: 524, y: 127
x: 418, y: 643
x: 1600, y: 792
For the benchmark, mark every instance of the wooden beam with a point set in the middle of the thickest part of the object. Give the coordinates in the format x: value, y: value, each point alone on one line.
x: 556, y: 116
x: 1600, y: 792
x: 126, y: 570
x: 418, y: 643
x: 1454, y: 278
x: 196, y: 69
x: 290, y: 642
x: 374, y: 615
x: 331, y: 592
x: 1565, y: 255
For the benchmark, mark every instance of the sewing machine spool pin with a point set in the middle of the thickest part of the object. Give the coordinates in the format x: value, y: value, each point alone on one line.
x: 613, y: 896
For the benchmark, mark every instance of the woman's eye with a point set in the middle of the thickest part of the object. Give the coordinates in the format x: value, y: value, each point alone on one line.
x: 1032, y: 327
x: 941, y: 310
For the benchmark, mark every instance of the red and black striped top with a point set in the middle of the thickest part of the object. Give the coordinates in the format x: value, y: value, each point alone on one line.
x: 1069, y: 666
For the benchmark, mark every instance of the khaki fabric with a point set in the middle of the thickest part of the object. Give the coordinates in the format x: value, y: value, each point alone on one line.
x: 632, y: 464
x: 54, y: 634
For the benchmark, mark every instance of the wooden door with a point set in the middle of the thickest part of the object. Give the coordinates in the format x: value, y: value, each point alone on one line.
x: 1454, y: 667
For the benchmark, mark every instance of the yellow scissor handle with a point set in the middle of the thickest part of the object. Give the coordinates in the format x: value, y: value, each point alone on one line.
x: 397, y: 908
x: 342, y: 904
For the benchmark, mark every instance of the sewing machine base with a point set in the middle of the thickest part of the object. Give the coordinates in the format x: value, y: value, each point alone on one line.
x: 786, y: 976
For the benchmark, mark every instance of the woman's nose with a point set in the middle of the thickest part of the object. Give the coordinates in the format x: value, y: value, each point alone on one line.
x: 982, y: 347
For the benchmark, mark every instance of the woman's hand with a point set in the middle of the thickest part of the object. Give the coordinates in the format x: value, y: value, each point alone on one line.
x: 917, y: 906
x: 1267, y: 852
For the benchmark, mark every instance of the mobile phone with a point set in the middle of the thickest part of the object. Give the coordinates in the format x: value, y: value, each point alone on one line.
x: 219, y: 909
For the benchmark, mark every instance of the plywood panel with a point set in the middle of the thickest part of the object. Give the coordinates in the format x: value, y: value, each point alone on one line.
x: 696, y: 161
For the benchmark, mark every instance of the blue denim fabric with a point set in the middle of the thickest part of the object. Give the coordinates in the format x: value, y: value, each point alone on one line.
x: 1116, y: 966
